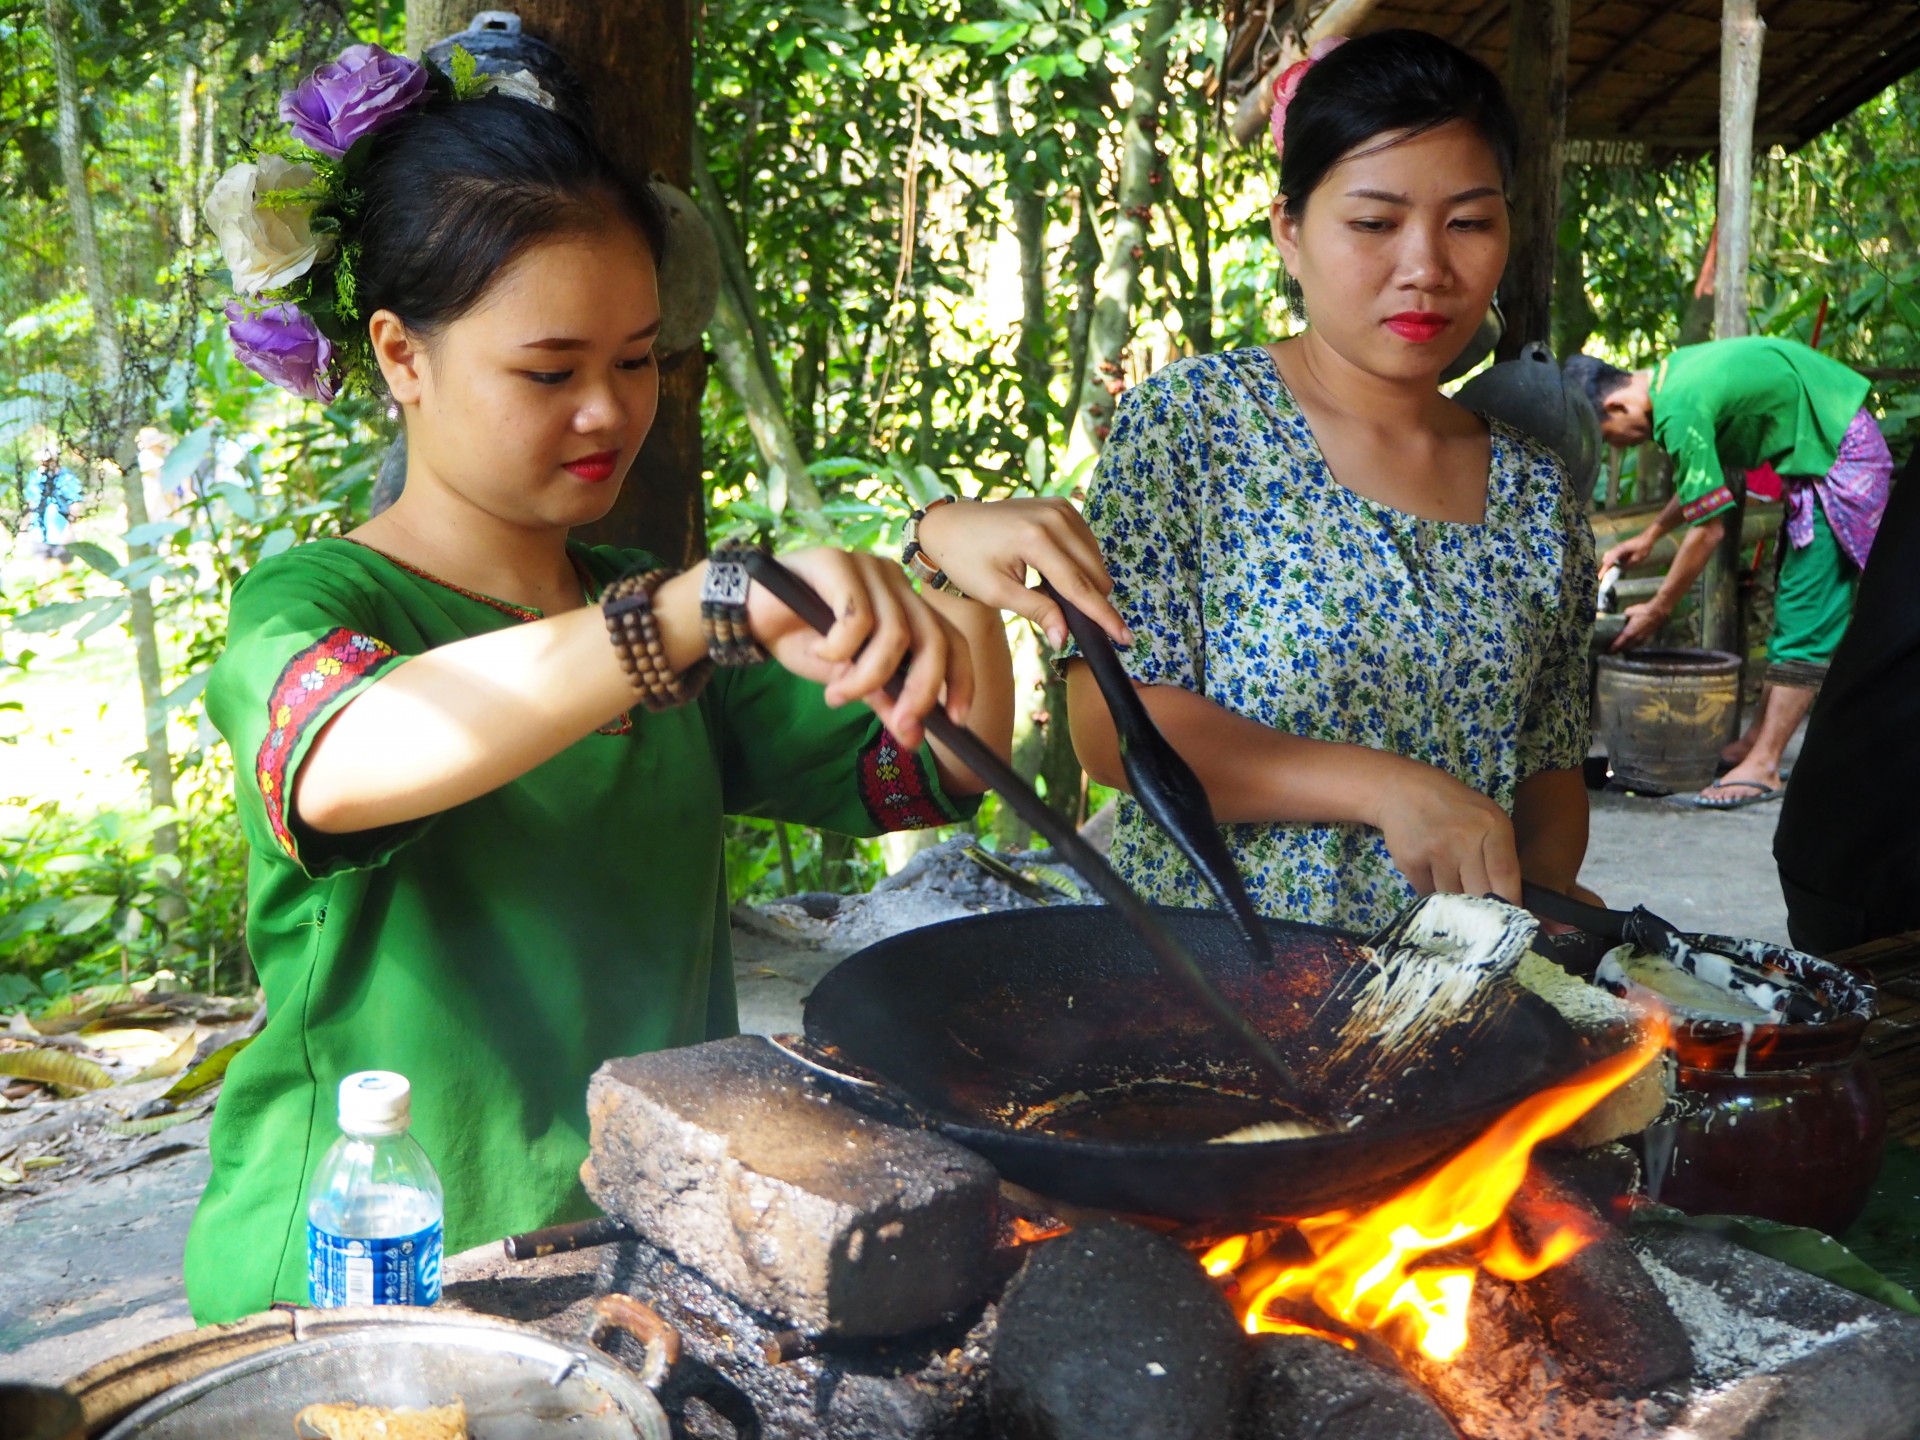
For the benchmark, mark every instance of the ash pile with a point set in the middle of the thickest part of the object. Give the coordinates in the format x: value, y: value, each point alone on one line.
x: 860, y: 1280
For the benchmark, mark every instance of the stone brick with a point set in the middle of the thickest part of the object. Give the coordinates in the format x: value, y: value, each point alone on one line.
x: 729, y: 1157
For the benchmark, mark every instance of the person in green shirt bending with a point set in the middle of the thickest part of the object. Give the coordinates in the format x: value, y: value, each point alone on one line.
x: 482, y: 768
x: 1721, y: 409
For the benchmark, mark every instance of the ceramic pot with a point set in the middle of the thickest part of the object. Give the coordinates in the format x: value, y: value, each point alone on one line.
x: 1785, y: 1122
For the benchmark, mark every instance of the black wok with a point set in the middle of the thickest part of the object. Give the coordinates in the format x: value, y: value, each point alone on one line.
x: 1050, y: 1042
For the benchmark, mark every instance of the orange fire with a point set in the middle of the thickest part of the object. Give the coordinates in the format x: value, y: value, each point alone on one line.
x: 1028, y: 1232
x: 1361, y: 1266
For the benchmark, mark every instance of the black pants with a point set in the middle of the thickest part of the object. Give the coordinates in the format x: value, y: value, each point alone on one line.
x: 1848, y: 845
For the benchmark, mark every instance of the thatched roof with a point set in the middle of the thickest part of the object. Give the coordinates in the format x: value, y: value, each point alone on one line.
x: 1643, y: 72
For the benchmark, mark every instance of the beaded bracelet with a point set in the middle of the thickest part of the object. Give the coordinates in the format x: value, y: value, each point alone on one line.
x: 635, y: 630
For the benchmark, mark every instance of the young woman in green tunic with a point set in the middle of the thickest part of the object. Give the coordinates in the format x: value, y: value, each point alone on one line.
x: 475, y: 859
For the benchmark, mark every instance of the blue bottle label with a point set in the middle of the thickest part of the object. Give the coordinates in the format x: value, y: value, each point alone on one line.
x: 398, y: 1270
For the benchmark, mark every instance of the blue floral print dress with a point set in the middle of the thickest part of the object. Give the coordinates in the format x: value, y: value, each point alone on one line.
x: 1251, y: 576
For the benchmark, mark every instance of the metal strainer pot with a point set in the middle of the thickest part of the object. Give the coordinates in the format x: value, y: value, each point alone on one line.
x: 516, y: 1383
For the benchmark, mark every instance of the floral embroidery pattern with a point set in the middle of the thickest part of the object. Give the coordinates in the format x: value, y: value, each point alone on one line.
x: 895, y: 787
x: 1250, y: 575
x: 333, y: 664
x: 1716, y: 499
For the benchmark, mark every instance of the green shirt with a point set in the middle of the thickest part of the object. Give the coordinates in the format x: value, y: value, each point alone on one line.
x: 498, y: 952
x: 1729, y: 406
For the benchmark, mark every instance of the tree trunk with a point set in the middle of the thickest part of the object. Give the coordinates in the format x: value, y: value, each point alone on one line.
x: 115, y: 437
x: 1126, y: 244
x: 788, y: 483
x: 636, y: 64
x: 1029, y: 201
x: 431, y: 20
x: 1083, y: 256
x: 1537, y: 80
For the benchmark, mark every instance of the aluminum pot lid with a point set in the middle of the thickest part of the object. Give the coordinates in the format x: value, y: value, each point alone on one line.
x: 516, y: 1384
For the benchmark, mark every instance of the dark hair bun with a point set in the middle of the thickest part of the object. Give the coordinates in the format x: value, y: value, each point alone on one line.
x: 456, y: 190
x: 1392, y: 80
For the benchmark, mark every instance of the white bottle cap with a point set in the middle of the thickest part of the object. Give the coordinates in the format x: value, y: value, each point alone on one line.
x: 375, y: 1102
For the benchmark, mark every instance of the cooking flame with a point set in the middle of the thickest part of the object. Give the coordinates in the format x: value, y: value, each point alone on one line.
x: 1361, y: 1267
x: 1028, y: 1232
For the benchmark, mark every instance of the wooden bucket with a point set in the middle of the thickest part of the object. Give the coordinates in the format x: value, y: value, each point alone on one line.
x: 1664, y: 715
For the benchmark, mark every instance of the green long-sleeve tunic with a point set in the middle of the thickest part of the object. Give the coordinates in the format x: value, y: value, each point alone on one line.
x: 496, y: 953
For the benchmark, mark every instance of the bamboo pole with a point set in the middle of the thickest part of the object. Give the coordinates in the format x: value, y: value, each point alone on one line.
x: 1742, y: 33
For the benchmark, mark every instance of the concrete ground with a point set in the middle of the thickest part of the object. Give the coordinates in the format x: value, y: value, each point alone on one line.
x: 91, y: 1266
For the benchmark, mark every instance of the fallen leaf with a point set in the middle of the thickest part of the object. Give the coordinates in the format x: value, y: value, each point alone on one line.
x: 10, y: 1176
x: 80, y: 1008
x: 171, y: 1063
x: 208, y: 1072
x: 42, y: 1162
x: 54, y: 1067
x: 154, y: 1124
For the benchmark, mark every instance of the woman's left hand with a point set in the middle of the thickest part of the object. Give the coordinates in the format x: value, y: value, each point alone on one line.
x: 986, y: 548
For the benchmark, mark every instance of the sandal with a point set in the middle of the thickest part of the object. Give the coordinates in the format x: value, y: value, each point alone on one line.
x: 1738, y: 802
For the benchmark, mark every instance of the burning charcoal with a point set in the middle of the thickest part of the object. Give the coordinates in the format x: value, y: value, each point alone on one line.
x: 1305, y: 1388
x: 1607, y: 1177
x: 926, y: 1386
x: 725, y: 1155
x: 1112, y: 1333
x: 1611, y: 1326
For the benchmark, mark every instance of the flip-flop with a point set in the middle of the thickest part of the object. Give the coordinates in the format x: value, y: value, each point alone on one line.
x: 1701, y: 802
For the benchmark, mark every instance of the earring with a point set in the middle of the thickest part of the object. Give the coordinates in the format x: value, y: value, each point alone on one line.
x: 1296, y: 299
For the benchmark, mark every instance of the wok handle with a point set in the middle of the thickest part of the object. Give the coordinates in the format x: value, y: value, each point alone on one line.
x: 801, y: 598
x: 636, y: 1318
x: 1594, y: 919
x: 564, y: 1239
x: 622, y: 1313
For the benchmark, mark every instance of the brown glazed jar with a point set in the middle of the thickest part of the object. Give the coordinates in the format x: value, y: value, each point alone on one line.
x: 1785, y: 1122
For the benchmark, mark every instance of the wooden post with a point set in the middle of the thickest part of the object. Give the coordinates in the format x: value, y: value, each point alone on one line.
x: 1742, y: 33
x: 1537, y: 81
x: 636, y: 64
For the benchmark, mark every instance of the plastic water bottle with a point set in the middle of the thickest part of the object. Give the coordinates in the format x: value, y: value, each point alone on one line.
x: 374, y: 1212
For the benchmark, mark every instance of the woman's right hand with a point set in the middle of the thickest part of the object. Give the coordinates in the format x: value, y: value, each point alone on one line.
x: 878, y: 622
x: 1447, y: 836
x: 1629, y: 553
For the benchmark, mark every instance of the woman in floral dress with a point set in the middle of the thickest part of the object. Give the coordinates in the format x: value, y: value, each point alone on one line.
x: 1361, y: 611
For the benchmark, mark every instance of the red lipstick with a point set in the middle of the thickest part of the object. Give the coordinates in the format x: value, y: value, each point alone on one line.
x: 1419, y: 326
x: 595, y: 467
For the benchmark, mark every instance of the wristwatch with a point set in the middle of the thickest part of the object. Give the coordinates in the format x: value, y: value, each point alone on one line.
x: 723, y: 608
x: 916, y: 560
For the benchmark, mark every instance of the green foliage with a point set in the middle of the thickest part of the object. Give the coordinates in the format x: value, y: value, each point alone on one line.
x: 80, y: 899
x: 1834, y: 222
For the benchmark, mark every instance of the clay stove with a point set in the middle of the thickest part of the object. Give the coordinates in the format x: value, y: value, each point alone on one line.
x: 856, y: 1280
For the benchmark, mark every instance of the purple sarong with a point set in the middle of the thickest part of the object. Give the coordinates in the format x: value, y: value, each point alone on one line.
x: 1853, y: 493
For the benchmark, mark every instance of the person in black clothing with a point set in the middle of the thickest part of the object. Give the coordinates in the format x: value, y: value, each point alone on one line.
x: 1848, y: 845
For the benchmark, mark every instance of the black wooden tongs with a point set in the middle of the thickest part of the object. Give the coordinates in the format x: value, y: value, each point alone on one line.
x: 1163, y: 783
x: 801, y: 598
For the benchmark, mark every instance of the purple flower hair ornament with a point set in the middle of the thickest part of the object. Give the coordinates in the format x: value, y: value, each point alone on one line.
x: 282, y: 344
x: 352, y: 97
